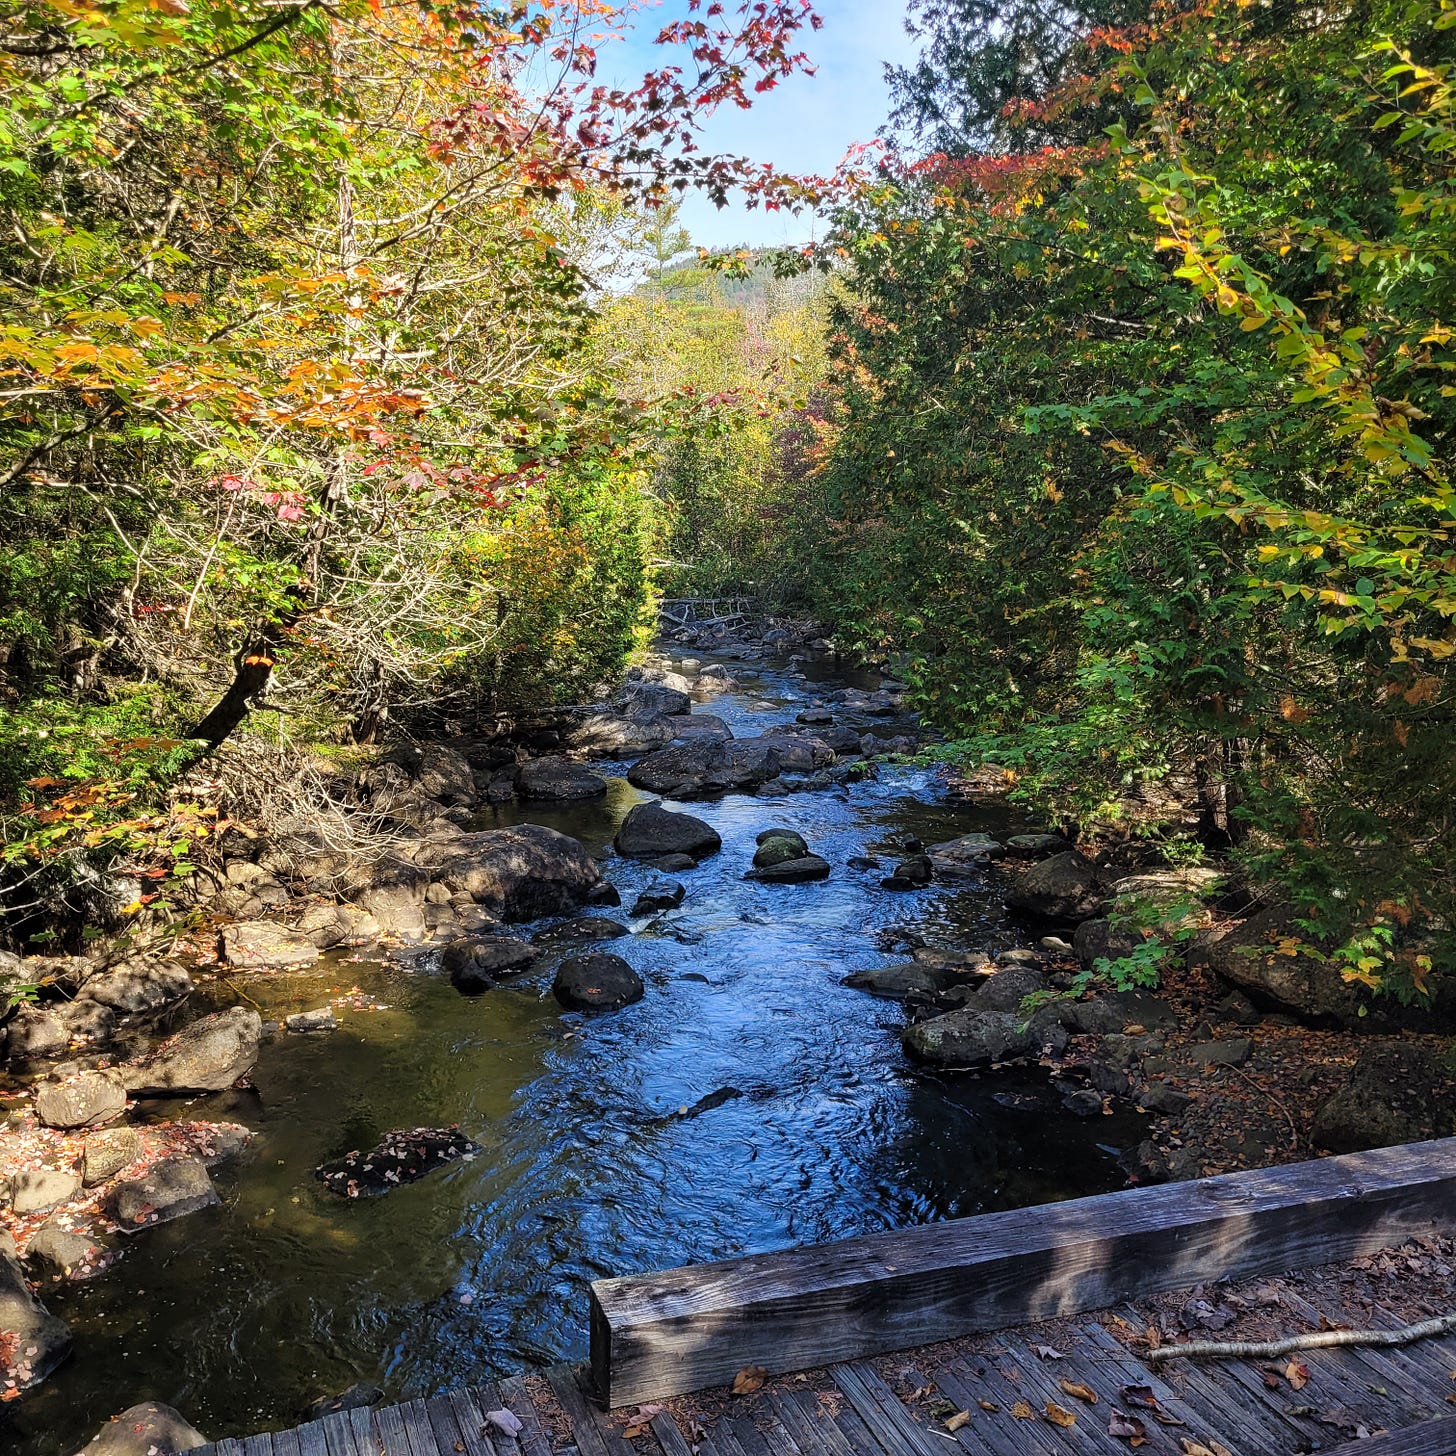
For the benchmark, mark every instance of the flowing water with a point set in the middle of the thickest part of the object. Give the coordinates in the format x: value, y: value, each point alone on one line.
x: 241, y: 1314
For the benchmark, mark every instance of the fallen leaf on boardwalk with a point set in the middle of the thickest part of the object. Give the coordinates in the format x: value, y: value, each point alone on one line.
x: 1297, y: 1374
x: 749, y: 1379
x: 1139, y: 1395
x: 959, y: 1419
x: 1045, y: 1352
x: 1059, y: 1415
x: 1023, y: 1412
x: 1271, y: 1375
x: 507, y: 1421
x: 921, y: 1391
x: 1078, y: 1391
x: 640, y: 1421
x: 1198, y: 1448
x: 1129, y: 1428
x: 988, y: 1405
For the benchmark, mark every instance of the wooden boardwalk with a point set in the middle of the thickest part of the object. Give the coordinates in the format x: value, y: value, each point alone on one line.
x: 1002, y: 1383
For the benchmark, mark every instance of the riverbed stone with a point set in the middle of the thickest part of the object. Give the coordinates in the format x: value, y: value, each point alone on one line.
x: 38, y: 1341
x: 207, y: 1056
x: 778, y: 845
x: 359, y: 1396
x: 913, y: 872
x: 971, y: 1038
x: 55, y: 1251
x: 87, y: 1100
x: 321, y: 1018
x: 1100, y: 938
x: 394, y: 897
x: 695, y: 726
x: 264, y: 945
x: 105, y: 1154
x: 1107, y: 1015
x: 584, y: 927
x: 478, y: 962
x: 148, y: 1429
x: 558, y: 778
x: 697, y: 768
x: 660, y: 893
x: 521, y: 873
x: 34, y: 1035
x: 35, y: 1190
x: 804, y: 868
x: 904, y: 982
x: 965, y: 856
x: 617, y: 735
x: 138, y: 986
x: 599, y: 982
x: 1065, y: 887
x: 172, y: 1189
x: 659, y: 699
x: 400, y: 1157
x: 1038, y: 845
x: 650, y: 831
x: 1009, y: 987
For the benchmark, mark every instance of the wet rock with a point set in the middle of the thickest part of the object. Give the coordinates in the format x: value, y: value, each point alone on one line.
x: 55, y: 1251
x: 321, y: 1018
x: 1085, y: 1102
x: 138, y: 986
x: 660, y: 893
x: 585, y: 927
x: 604, y: 893
x: 1038, y: 845
x: 259, y: 945
x: 37, y: 1341
x: 673, y: 864
x: 710, y: 1102
x: 478, y: 963
x: 394, y: 898
x: 400, y: 1157
x: 1099, y: 939
x: 359, y: 1396
x: 1109, y: 1014
x: 105, y: 1154
x: 913, y: 872
x: 1108, y: 1078
x: 792, y: 871
x: 598, y: 982
x: 658, y: 699
x: 694, y: 726
x: 613, y: 735
x: 965, y: 856
x: 697, y: 768
x: 1009, y: 987
x: 649, y: 831
x: 1064, y: 887
x: 207, y: 1056
x: 521, y: 873
x: 35, y: 1190
x: 863, y: 862
x: 1018, y: 956
x: 440, y: 773
x: 971, y: 1038
x: 149, y: 1429
x: 815, y: 717
x: 87, y: 1100
x: 172, y: 1189
x: 1248, y: 957
x: 842, y: 742
x: 900, y: 983
x: 1395, y: 1093
x: 777, y: 845
x: 796, y: 754
x: 559, y: 779
x: 34, y: 1035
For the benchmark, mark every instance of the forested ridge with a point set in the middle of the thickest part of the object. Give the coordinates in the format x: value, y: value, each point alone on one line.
x: 1112, y: 410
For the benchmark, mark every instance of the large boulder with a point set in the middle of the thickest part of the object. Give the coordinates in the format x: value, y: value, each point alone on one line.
x: 207, y: 1056
x: 1065, y: 887
x: 138, y: 986
x: 477, y: 963
x: 522, y: 873
x: 695, y: 726
x: 439, y: 772
x: 172, y: 1189
x: 148, y: 1429
x: 1263, y: 958
x: 971, y: 1038
x: 796, y: 871
x: 775, y: 846
x: 796, y: 753
x: 35, y: 1340
x: 698, y: 768
x: 599, y: 982
x: 86, y: 1100
x: 264, y: 945
x: 658, y: 699
x: 614, y: 735
x: 394, y: 898
x: 1166, y: 900
x: 1008, y: 988
x: 1395, y: 1093
x: 34, y: 1034
x: 558, y: 778
x: 1099, y: 939
x: 649, y: 830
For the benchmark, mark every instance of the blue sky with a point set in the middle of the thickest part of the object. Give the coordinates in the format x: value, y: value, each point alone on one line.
x: 804, y: 125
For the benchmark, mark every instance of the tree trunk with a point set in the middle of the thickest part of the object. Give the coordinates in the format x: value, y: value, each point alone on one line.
x: 253, y: 670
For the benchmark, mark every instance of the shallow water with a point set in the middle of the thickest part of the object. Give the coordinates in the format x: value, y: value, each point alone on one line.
x: 240, y: 1315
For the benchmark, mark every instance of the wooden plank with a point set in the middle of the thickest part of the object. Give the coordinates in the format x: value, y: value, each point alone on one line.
x: 285, y: 1443
x: 1042, y: 1389
x: 366, y: 1433
x: 880, y: 1409
x: 261, y: 1445
x: 995, y: 1432
x: 817, y: 1433
x: 418, y: 1430
x: 665, y: 1334
x: 589, y: 1439
x: 668, y: 1435
x: 1430, y: 1438
x: 338, y: 1436
x: 514, y: 1398
x: 313, y: 1442
x: 228, y: 1446
x: 392, y: 1439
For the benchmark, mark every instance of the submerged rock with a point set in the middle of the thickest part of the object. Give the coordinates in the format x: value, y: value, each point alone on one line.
x: 148, y: 1429
x: 660, y: 893
x: 322, y: 1018
x: 649, y: 830
x: 477, y: 964
x: 358, y: 1396
x: 208, y: 1056
x: 400, y: 1157
x: 600, y: 982
x: 36, y: 1340
x: 172, y: 1189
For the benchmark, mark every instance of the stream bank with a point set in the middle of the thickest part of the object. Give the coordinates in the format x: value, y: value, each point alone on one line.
x: 747, y: 1100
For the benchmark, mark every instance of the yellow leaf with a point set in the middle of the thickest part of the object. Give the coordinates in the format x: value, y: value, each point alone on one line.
x: 1079, y: 1391
x: 1059, y: 1415
x: 749, y: 1379
x: 1023, y: 1412
x: 959, y: 1419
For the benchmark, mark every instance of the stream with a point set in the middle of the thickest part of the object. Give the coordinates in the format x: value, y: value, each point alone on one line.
x: 239, y: 1315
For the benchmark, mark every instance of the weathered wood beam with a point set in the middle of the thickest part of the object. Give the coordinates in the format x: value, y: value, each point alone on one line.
x: 1429, y: 1438
x: 657, y: 1335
